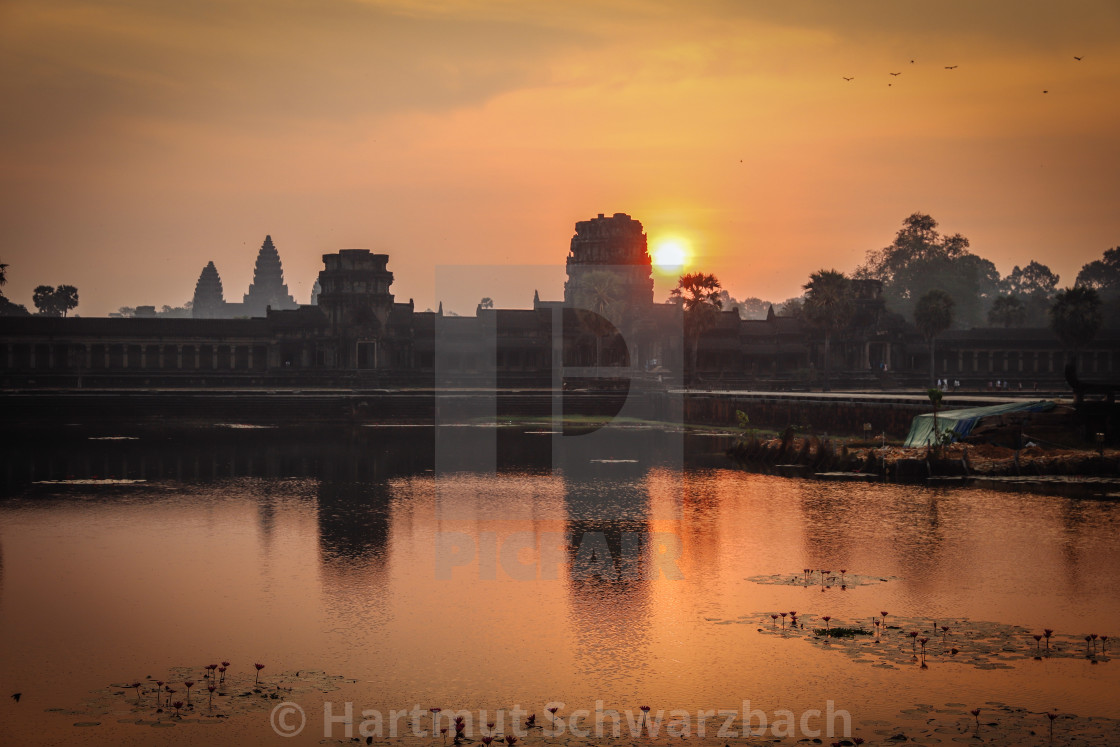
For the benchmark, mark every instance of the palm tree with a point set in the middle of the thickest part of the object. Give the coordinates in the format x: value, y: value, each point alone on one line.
x: 699, y: 295
x: 933, y: 315
x: 828, y: 307
x: 1075, y: 318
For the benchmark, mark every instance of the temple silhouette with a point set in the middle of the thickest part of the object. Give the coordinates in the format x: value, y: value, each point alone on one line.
x: 267, y: 291
x: 357, y: 334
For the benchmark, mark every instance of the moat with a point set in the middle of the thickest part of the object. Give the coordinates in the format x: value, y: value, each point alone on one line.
x: 473, y: 567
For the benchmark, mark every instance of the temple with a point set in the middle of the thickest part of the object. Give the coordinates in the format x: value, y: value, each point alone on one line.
x: 208, y: 301
x: 267, y: 291
x: 358, y: 334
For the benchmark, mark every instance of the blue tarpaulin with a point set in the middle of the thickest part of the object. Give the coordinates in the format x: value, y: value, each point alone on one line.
x: 964, y: 421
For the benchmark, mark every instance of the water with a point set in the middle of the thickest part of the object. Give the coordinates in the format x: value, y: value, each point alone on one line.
x: 451, y: 570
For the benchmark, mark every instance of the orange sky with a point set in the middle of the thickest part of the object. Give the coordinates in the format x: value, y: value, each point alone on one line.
x: 141, y: 139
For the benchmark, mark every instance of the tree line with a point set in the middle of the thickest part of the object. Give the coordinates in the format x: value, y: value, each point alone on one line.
x: 49, y: 300
x: 937, y: 283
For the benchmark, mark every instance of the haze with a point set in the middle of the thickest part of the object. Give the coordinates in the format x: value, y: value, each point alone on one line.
x: 139, y: 140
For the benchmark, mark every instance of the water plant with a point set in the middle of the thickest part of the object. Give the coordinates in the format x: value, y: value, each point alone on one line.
x: 459, y: 727
x: 258, y: 677
x: 211, y: 688
x: 841, y: 632
x: 137, y: 686
x: 189, y: 684
x: 976, y: 715
x: 177, y: 705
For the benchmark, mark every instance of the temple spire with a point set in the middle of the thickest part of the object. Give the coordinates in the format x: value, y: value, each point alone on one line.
x: 208, y: 302
x: 268, y: 289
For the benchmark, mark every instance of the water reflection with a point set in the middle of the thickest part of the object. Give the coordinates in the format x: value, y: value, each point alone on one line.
x: 336, y: 533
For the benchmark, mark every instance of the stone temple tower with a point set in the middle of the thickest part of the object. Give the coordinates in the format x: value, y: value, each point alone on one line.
x: 616, y: 245
x: 354, y: 296
x: 268, y: 288
x: 208, y: 302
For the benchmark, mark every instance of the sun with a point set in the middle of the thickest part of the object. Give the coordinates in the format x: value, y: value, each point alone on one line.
x: 670, y: 255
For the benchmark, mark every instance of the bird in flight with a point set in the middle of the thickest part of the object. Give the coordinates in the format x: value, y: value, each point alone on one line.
x: 950, y: 67
x: 1077, y: 58
x: 845, y: 78
x: 1046, y: 92
x: 896, y: 73
x: 15, y: 696
x: 911, y: 62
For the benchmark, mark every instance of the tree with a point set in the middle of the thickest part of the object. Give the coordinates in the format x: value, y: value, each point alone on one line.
x: 791, y: 307
x: 1007, y: 311
x: 1075, y: 318
x: 935, y: 396
x: 748, y: 308
x: 7, y: 308
x: 920, y: 260
x: 1034, y: 285
x: 829, y: 307
x: 55, y: 301
x: 1103, y: 276
x: 1034, y: 279
x: 43, y: 298
x: 486, y: 303
x: 66, y: 298
x: 699, y: 295
x: 933, y: 314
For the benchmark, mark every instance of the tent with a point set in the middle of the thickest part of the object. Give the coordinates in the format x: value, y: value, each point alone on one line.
x: 966, y: 420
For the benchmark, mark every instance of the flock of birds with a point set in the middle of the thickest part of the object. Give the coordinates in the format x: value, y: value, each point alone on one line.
x: 947, y: 67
